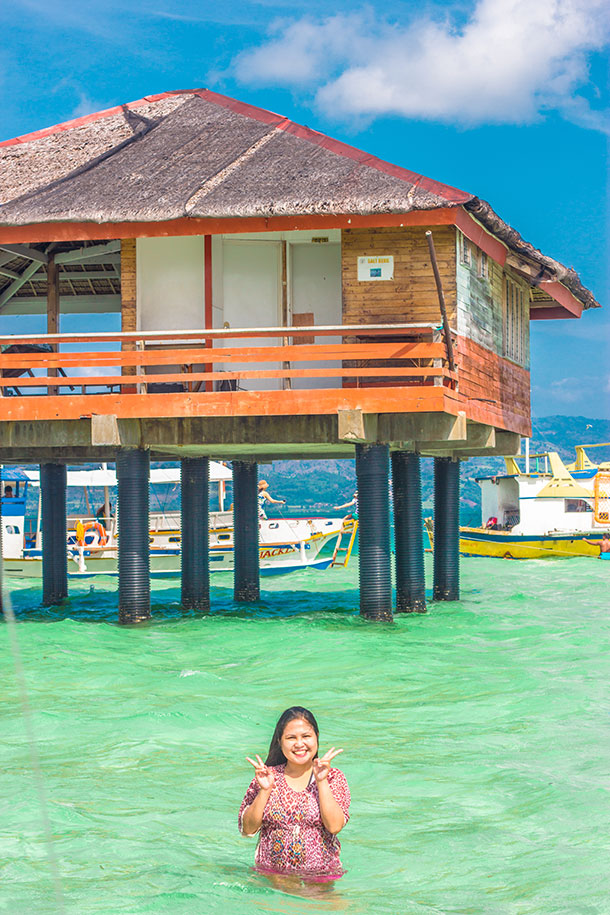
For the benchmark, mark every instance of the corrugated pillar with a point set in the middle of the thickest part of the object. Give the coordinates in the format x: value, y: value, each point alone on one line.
x: 372, y: 472
x: 408, y: 529
x: 133, y: 470
x: 195, y: 530
x: 53, y: 479
x: 446, y: 529
x: 245, y: 531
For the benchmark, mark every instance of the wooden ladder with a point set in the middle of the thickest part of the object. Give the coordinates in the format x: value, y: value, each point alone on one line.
x: 345, y: 549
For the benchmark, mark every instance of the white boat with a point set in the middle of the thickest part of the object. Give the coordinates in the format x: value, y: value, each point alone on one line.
x: 285, y: 544
x: 542, y: 509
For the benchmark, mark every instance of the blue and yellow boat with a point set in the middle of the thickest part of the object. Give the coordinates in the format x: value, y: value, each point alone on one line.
x: 543, y: 510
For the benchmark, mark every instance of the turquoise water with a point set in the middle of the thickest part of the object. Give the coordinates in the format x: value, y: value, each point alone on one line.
x: 476, y: 743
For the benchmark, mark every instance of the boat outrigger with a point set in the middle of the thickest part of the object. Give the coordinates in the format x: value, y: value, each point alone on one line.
x: 285, y: 544
x: 542, y: 510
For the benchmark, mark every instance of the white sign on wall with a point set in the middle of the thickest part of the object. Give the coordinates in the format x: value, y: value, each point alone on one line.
x: 371, y: 269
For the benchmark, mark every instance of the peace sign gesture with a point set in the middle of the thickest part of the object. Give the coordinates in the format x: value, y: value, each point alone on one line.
x: 265, y: 776
x: 321, y: 767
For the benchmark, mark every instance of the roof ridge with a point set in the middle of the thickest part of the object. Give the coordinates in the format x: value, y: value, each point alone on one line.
x: 94, y: 116
x: 145, y: 127
x: 455, y: 195
x: 449, y: 193
x: 224, y: 173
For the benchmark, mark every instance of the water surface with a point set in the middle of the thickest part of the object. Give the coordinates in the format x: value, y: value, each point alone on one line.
x: 476, y: 743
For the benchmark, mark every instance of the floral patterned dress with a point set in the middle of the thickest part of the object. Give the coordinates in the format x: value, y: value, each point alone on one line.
x: 293, y: 838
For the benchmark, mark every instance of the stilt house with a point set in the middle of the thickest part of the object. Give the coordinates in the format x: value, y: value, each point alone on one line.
x: 277, y: 298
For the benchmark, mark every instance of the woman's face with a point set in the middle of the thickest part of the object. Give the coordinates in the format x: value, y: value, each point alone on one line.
x: 299, y: 743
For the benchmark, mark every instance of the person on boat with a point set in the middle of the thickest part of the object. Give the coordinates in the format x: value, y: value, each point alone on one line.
x: 604, y: 546
x: 101, y: 515
x: 297, y: 802
x: 265, y: 496
x: 353, y: 504
x: 8, y: 492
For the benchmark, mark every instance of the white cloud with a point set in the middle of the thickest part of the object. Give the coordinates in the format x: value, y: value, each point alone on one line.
x: 507, y: 63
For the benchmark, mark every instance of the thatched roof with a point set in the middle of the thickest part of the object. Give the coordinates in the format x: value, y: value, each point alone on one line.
x: 200, y: 154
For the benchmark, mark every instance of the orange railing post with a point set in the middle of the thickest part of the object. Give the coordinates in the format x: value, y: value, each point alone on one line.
x: 368, y: 356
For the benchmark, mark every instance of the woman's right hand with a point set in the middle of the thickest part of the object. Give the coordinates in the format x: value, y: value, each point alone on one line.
x: 265, y: 776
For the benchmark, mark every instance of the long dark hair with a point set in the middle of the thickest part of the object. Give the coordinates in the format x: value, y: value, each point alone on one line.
x: 275, y: 756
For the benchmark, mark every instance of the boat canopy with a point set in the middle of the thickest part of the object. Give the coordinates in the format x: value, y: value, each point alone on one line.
x: 15, y: 474
x: 104, y: 477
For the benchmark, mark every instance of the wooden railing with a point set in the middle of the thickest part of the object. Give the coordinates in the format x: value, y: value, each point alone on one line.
x: 201, y: 361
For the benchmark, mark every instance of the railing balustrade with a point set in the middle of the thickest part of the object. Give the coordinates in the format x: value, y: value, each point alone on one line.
x: 201, y: 361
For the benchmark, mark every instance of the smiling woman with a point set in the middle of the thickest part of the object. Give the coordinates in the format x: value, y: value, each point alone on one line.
x: 297, y: 801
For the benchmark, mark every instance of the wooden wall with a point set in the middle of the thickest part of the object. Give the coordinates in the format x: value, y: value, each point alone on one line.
x: 495, y: 389
x: 411, y: 297
x: 128, y: 294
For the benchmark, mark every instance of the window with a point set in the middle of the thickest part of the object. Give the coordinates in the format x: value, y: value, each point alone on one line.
x: 516, y: 322
x: 465, y: 250
x: 577, y: 505
x: 483, y: 265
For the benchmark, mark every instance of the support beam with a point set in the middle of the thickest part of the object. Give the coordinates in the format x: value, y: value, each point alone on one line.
x: 78, y: 255
x: 446, y: 529
x: 53, y: 478
x: 4, y: 271
x: 372, y: 465
x: 422, y: 427
x: 32, y: 254
x: 133, y: 470
x: 195, y: 528
x: 16, y: 285
x: 246, y: 584
x: 408, y: 527
x: 355, y: 426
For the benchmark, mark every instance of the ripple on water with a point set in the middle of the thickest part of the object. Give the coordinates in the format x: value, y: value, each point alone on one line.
x: 472, y: 739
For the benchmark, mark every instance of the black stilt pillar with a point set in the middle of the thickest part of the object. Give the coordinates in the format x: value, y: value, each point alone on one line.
x: 408, y: 529
x: 195, y: 529
x: 245, y: 531
x: 372, y: 471
x: 133, y: 470
x: 446, y: 529
x: 53, y: 479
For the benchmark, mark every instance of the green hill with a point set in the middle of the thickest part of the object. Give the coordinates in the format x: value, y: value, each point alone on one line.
x: 317, y: 486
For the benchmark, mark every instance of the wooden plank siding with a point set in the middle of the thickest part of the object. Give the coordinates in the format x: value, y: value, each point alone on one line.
x: 129, y: 308
x: 494, y: 387
x: 411, y: 295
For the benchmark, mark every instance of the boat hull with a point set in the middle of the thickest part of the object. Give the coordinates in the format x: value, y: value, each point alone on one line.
x: 504, y: 545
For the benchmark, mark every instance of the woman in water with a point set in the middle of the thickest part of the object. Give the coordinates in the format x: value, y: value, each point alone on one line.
x: 297, y: 801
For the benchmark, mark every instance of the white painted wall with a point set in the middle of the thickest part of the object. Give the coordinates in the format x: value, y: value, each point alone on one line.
x: 170, y: 283
x: 498, y: 498
x: 315, y: 285
x: 251, y: 281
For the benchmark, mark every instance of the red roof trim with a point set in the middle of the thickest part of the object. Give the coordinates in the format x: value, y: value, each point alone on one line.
x: 571, y: 305
x: 450, y: 194
x: 188, y: 225
x: 95, y: 116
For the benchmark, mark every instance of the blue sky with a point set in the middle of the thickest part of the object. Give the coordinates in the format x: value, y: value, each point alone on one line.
x: 508, y: 99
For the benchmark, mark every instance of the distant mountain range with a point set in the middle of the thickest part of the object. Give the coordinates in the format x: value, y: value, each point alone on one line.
x: 317, y: 486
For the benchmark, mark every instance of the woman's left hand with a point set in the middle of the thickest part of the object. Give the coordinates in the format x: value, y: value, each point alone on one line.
x: 321, y: 766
